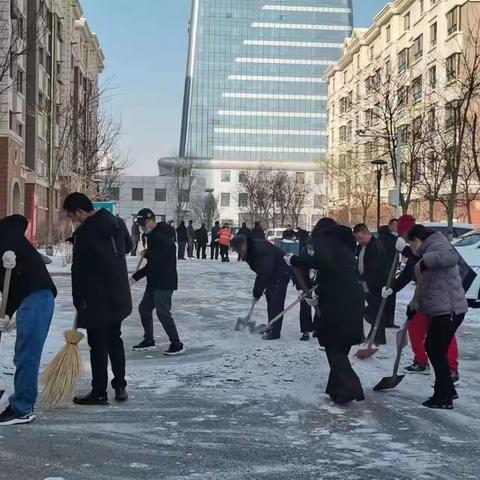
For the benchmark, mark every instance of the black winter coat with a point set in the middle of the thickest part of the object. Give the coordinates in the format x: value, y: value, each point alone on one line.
x: 161, y: 268
x: 267, y: 262
x: 100, y: 289
x: 214, y: 234
x: 244, y: 231
x: 30, y: 275
x: 126, y: 235
x: 201, y: 236
x: 388, y: 241
x: 376, y: 267
x: 182, y: 233
x: 257, y: 233
x: 339, y: 291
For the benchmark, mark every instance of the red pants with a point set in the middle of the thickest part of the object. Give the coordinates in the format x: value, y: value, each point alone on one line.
x: 417, y: 331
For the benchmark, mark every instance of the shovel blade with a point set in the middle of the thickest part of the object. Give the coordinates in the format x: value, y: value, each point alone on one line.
x: 366, y: 353
x: 241, y: 324
x: 388, y: 383
x: 1, y: 393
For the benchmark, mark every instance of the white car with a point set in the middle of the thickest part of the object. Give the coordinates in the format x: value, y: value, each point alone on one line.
x: 468, y: 246
x: 275, y: 234
x: 458, y: 228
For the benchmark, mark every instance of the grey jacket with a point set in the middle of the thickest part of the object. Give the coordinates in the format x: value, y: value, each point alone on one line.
x: 439, y: 290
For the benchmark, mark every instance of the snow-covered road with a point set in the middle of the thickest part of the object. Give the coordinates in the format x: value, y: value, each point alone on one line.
x: 234, y: 407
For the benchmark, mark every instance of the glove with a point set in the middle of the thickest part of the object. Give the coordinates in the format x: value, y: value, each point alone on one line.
x: 6, y: 324
x: 386, y: 292
x: 9, y: 260
x: 400, y: 245
x: 312, y: 302
x: 288, y: 259
x: 132, y: 281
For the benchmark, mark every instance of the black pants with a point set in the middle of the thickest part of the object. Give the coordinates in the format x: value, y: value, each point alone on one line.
x: 203, y: 250
x: 190, y: 247
x: 371, y: 311
x: 181, y: 250
x: 306, y: 323
x: 134, y: 249
x: 343, y: 383
x: 440, y: 334
x: 106, y: 342
x: 275, y: 295
x: 161, y: 301
x: 390, y: 310
x: 214, y: 250
x: 224, y: 253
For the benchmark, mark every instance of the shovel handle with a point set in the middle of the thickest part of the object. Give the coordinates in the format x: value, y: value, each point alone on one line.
x: 383, y: 303
x: 303, y: 285
x: 5, y: 292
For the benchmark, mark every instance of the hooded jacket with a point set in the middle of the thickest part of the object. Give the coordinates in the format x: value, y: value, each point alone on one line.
x: 161, y: 268
x: 440, y: 288
x: 267, y: 262
x: 30, y: 274
x: 339, y: 291
x: 101, y: 293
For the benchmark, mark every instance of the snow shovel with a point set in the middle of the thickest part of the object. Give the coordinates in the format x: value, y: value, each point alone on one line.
x: 303, y: 286
x: 388, y: 383
x: 370, y: 350
x: 242, y: 322
x: 9, y: 263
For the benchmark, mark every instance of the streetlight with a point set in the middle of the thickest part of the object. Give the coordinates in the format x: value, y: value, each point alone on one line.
x: 378, y: 164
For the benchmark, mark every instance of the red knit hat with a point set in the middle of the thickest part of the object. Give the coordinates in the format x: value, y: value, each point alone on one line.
x: 405, y: 224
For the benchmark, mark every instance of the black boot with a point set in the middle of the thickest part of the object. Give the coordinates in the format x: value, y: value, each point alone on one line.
x: 121, y: 394
x: 91, y: 399
x: 445, y: 404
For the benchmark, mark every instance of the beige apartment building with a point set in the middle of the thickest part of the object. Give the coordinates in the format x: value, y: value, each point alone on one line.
x: 56, y: 64
x: 393, y: 81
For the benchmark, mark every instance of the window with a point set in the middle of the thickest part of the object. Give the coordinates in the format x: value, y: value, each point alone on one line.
x: 19, y: 81
x: 242, y: 177
x: 349, y: 101
x: 418, y: 47
x: 452, y: 67
x: 243, y: 200
x: 137, y: 194
x: 417, y: 88
x: 431, y: 123
x: 343, y: 105
x: 184, y: 196
x: 349, y: 130
x: 369, y: 118
x: 318, y: 178
x: 225, y: 200
x: 342, y: 132
x: 20, y: 129
x: 452, y: 20
x: 160, y: 195
x: 318, y: 201
x: 402, y: 95
x: 300, y: 178
x: 403, y: 60
x: 225, y: 175
x: 450, y: 114
x: 342, y: 190
x: 114, y: 193
x: 432, y: 77
x: 406, y: 22
x: 433, y: 34
x: 388, y: 32
x: 388, y: 67
x: 342, y: 162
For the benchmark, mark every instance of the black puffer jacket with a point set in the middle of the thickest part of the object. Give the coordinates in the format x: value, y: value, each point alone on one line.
x: 161, y: 269
x: 30, y: 275
x: 201, y: 236
x: 267, y: 262
x: 388, y: 241
x: 339, y: 291
x: 101, y: 293
x: 182, y: 233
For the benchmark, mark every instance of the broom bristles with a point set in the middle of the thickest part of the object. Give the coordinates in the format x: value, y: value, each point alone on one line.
x: 63, y: 373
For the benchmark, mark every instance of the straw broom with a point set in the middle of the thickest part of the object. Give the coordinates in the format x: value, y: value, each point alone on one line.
x: 64, y: 372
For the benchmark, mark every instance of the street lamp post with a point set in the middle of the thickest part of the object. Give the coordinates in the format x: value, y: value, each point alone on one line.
x: 378, y: 164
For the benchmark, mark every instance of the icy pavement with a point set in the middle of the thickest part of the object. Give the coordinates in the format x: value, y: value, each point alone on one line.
x: 234, y: 407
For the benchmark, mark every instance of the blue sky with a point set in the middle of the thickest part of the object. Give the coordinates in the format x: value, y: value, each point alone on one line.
x: 145, y: 44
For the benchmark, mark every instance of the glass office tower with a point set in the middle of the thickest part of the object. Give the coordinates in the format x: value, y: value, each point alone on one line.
x: 254, y: 90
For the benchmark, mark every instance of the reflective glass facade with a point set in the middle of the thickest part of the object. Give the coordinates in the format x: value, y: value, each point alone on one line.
x: 255, y: 88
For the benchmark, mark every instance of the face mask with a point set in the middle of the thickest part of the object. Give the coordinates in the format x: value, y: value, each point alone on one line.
x: 145, y: 230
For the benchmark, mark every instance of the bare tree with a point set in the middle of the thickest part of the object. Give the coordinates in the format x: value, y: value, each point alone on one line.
x: 183, y: 176
x: 206, y: 209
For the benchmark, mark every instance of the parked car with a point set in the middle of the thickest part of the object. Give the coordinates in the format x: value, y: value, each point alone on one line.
x: 442, y: 227
x: 468, y: 246
x: 274, y: 234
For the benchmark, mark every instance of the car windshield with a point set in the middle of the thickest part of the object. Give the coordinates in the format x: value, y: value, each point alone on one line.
x: 467, y: 240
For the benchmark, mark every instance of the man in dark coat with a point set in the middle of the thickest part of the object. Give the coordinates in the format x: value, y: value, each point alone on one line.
x: 162, y: 281
x: 190, y: 239
x: 173, y: 233
x: 101, y: 293
x: 289, y: 233
x: 340, y: 299
x: 32, y: 297
x: 373, y: 268
x: 182, y: 238
x: 246, y: 232
x: 257, y: 232
x: 214, y: 245
x: 273, y: 277
x: 201, y: 238
x: 387, y: 236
